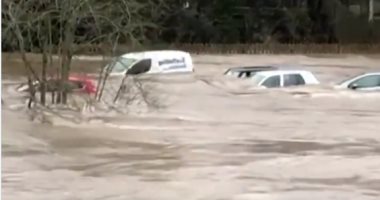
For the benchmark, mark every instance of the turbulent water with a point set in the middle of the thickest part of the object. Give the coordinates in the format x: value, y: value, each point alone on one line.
x: 211, y: 138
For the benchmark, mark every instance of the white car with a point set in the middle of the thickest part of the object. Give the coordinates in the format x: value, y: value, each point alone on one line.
x: 151, y: 62
x: 363, y: 82
x: 283, y: 78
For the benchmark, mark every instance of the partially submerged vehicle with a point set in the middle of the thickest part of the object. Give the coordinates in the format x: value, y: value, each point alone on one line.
x: 283, y: 78
x: 76, y: 83
x: 362, y: 82
x: 151, y: 62
x: 247, y: 71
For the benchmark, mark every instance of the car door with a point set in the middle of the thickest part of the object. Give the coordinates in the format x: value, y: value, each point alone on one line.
x: 369, y: 83
x: 273, y: 81
x: 293, y: 80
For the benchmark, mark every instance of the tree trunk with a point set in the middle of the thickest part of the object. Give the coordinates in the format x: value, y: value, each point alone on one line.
x: 371, y: 10
x: 51, y: 57
x: 32, y: 97
x: 64, y: 77
x: 59, y: 75
x: 45, y: 52
x: 106, y: 71
x: 43, y: 75
x: 68, y: 38
x: 121, y: 88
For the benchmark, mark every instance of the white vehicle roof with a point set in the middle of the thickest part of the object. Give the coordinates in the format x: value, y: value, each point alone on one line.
x: 161, y: 61
x: 154, y: 54
x: 280, y: 72
x: 370, y: 73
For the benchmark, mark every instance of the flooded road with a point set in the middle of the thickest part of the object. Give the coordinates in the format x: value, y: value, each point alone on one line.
x: 211, y: 139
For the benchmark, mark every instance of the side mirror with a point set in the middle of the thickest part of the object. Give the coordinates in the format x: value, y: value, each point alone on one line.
x: 353, y: 86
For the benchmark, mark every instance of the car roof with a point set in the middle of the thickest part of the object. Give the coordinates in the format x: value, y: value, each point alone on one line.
x: 241, y: 68
x: 268, y: 67
x: 369, y: 73
x: 155, y: 54
x: 360, y: 75
x: 278, y: 72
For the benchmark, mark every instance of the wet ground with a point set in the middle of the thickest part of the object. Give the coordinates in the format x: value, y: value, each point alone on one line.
x: 212, y: 139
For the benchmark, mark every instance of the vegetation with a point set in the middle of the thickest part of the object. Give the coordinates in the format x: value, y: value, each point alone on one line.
x: 184, y: 21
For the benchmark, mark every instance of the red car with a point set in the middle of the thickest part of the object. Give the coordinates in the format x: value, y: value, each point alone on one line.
x: 84, y: 84
x: 77, y: 83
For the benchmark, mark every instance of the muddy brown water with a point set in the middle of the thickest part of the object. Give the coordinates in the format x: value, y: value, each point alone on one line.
x: 213, y: 139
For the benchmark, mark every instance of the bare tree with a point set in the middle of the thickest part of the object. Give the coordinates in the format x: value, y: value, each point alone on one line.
x: 44, y: 24
x: 55, y: 28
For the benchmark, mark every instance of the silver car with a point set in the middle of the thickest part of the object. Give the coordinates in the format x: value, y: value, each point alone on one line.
x: 363, y: 82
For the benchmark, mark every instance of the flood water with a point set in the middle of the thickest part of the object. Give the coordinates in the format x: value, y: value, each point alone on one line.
x: 212, y: 138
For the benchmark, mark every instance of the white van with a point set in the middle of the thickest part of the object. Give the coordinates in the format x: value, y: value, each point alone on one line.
x: 150, y: 62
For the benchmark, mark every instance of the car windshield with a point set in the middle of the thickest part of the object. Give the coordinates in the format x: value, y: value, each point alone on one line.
x: 257, y: 78
x: 121, y: 64
x: 241, y: 73
x: 234, y: 73
x: 350, y: 78
x: 347, y: 79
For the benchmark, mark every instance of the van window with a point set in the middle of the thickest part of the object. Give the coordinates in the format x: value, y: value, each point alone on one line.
x: 293, y: 79
x: 272, y: 82
x: 140, y: 67
x: 120, y: 65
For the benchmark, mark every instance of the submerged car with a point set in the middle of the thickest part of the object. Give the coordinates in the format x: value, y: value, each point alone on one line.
x: 151, y: 62
x: 76, y: 83
x: 283, y: 78
x: 247, y: 71
x: 364, y: 82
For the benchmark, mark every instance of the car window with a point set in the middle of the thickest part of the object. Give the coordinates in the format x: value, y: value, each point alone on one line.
x: 234, y: 74
x: 73, y: 85
x: 245, y: 74
x: 256, y: 79
x: 228, y: 72
x: 140, y: 67
x: 273, y: 81
x: 293, y: 79
x: 77, y: 85
x: 241, y: 75
x: 367, y: 81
